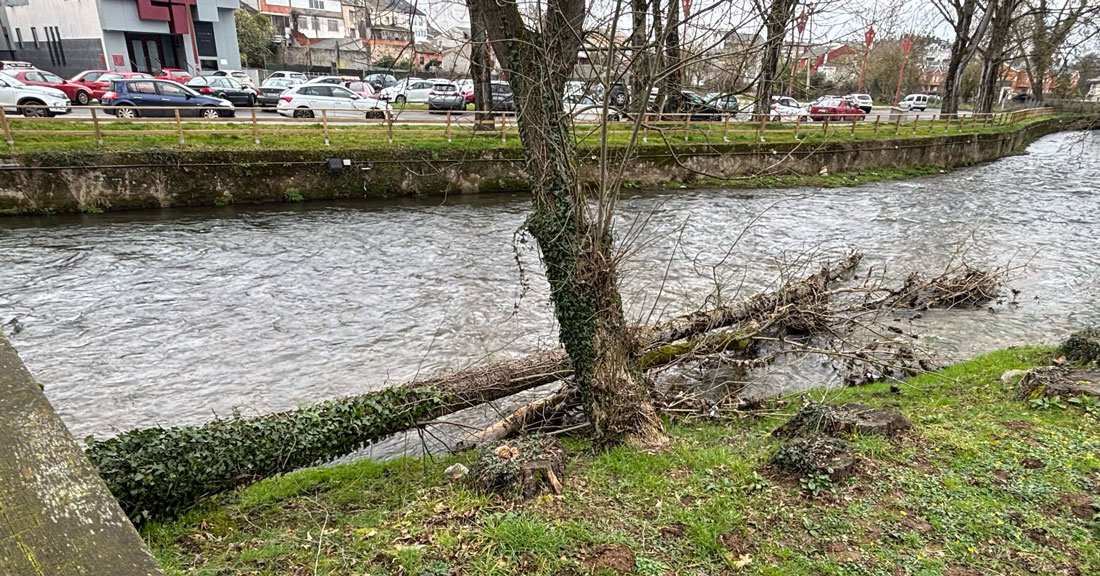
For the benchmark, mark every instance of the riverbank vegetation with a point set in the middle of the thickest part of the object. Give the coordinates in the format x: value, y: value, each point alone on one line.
x: 63, y: 135
x: 984, y: 483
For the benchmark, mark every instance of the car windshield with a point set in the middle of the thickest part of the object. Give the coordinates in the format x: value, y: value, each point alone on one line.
x: 277, y: 82
x: 52, y: 77
x: 693, y: 98
x: 831, y: 102
x: 178, y: 73
x: 12, y: 80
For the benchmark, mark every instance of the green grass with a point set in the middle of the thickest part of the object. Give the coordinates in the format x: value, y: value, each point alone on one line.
x: 67, y: 135
x: 955, y: 498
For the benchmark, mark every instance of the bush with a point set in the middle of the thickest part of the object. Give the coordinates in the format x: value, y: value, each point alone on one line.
x: 158, y: 471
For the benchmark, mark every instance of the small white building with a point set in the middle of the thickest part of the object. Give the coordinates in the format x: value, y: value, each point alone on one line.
x: 1093, y: 94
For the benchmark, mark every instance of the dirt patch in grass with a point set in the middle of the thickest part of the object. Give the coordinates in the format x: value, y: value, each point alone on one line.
x: 615, y: 558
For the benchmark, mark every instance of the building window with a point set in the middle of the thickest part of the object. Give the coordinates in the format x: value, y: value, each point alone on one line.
x: 316, y: 23
x: 303, y: 23
x: 333, y: 25
x: 34, y: 35
x: 317, y: 4
x: 19, y: 38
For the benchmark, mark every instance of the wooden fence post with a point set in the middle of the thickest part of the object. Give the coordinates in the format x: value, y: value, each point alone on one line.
x: 503, y: 127
x: 725, y: 128
x: 324, y: 125
x: 797, y: 126
x: 389, y: 125
x: 645, y: 127
x: 95, y: 126
x: 760, y: 127
x: 448, y: 125
x: 878, y: 118
x: 255, y: 127
x: 915, y: 122
x: 897, y: 125
x: 179, y: 125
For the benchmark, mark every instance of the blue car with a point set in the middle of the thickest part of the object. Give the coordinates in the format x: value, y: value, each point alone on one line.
x: 149, y: 97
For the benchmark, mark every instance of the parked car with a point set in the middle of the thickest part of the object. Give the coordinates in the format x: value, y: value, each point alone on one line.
x: 727, y: 102
x: 914, y: 102
x: 785, y: 108
x: 585, y: 109
x: 15, y: 65
x: 104, y: 83
x: 225, y: 88
x: 698, y: 109
x: 837, y: 109
x: 408, y: 90
x: 299, y: 76
x: 88, y: 80
x: 620, y: 95
x: 380, y: 81
x: 73, y: 91
x: 821, y: 99
x: 307, y: 101
x: 361, y: 88
x: 272, y: 88
x: 337, y: 80
x: 445, y: 96
x: 177, y: 74
x: 134, y: 97
x: 503, y: 100
x: 238, y: 75
x: 864, y: 101
x: 15, y: 96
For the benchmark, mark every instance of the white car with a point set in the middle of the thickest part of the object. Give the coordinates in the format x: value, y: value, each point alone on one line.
x: 408, y: 90
x: 15, y: 96
x: 585, y: 109
x: 864, y: 101
x: 914, y: 102
x: 307, y: 101
x: 786, y: 108
x: 238, y: 75
x: 288, y: 74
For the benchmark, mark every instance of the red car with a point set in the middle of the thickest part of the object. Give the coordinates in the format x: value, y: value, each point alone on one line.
x: 837, y: 109
x: 103, y: 83
x: 76, y: 92
x: 361, y: 88
x: 88, y: 79
x: 177, y: 74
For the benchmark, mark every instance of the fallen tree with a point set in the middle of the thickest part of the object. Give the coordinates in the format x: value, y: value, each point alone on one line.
x: 159, y: 471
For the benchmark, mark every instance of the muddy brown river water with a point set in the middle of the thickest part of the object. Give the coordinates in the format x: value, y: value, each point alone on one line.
x: 172, y: 317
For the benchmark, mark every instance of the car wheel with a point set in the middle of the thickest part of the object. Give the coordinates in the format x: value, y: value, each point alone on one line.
x: 620, y: 99
x: 303, y: 113
x: 399, y: 99
x: 82, y: 98
x: 210, y: 113
x: 35, y: 112
x: 776, y: 118
x: 251, y: 101
x: 125, y: 112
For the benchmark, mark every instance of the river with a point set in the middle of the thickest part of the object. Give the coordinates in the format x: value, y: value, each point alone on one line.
x: 134, y: 319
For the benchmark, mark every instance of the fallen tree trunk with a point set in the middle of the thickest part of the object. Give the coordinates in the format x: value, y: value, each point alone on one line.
x: 159, y: 471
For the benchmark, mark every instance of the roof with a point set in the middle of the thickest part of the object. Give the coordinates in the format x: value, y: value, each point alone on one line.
x: 401, y: 6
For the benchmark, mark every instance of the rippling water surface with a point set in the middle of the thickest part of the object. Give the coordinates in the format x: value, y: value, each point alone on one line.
x: 133, y: 319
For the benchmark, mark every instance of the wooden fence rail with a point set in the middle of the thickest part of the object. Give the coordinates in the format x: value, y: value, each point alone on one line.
x: 398, y: 126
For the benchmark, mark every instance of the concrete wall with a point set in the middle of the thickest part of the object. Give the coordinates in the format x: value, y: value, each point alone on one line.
x: 57, y: 517
x: 163, y: 178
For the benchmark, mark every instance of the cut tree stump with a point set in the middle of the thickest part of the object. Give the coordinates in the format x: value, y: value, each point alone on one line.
x: 1058, y: 381
x: 817, y: 455
x: 816, y: 419
x: 522, y: 467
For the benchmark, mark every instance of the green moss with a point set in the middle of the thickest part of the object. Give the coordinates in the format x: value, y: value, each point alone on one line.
x: 959, y: 494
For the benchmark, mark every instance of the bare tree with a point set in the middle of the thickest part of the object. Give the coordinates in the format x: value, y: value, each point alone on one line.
x: 1045, y: 30
x: 995, y: 52
x: 480, y: 71
x: 968, y: 20
x: 539, y: 54
x: 777, y: 17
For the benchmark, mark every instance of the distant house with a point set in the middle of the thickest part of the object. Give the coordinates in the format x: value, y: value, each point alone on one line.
x: 1093, y: 94
x: 834, y: 61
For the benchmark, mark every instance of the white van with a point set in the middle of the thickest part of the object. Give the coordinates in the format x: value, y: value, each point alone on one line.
x: 914, y: 102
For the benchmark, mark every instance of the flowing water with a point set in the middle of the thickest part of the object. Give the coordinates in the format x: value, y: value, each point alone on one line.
x: 172, y: 317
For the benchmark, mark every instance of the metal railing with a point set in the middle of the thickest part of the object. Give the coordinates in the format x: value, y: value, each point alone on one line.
x: 399, y: 125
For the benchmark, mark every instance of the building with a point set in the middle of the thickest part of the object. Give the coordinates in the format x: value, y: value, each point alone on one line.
x: 67, y: 36
x: 402, y: 15
x: 1094, y: 90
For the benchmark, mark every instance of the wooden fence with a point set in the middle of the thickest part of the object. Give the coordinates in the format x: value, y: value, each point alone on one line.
x: 260, y: 125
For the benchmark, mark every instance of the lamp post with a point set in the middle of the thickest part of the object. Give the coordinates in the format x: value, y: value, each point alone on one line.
x: 906, y: 45
x: 868, y: 38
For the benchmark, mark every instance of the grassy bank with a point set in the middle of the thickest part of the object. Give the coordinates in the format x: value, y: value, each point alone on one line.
x: 985, y: 485
x: 58, y: 134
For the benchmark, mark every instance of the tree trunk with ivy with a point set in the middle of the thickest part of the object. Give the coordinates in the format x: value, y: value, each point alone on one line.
x: 576, y: 249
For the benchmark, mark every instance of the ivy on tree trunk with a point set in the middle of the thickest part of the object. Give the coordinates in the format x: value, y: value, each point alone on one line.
x: 576, y: 250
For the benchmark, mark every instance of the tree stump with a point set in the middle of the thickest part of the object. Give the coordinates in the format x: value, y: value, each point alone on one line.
x: 1082, y: 346
x: 815, y: 419
x: 1058, y: 381
x: 522, y: 467
x: 817, y: 455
